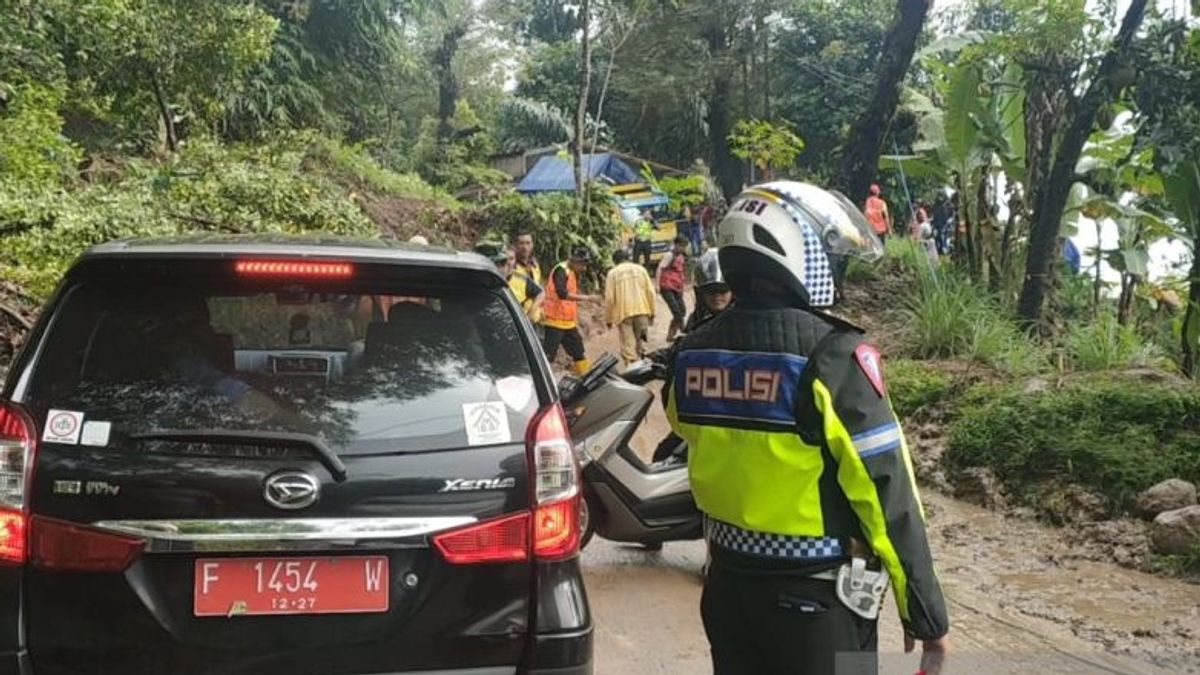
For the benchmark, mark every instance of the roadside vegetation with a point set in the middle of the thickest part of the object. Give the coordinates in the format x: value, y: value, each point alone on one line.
x: 1071, y: 430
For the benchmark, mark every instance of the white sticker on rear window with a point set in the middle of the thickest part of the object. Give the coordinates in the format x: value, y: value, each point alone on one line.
x: 487, y: 423
x: 63, y: 426
x: 95, y: 433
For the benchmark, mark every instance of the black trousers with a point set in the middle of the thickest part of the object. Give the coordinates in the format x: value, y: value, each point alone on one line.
x: 569, y: 338
x: 674, y: 300
x: 641, y: 252
x: 783, y: 625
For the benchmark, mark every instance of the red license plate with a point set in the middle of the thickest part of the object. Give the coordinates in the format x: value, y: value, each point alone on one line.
x: 255, y: 586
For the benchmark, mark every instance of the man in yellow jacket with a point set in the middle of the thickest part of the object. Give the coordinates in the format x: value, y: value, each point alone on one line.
x: 629, y: 304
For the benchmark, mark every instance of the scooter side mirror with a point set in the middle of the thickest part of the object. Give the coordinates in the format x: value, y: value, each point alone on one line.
x: 568, y: 387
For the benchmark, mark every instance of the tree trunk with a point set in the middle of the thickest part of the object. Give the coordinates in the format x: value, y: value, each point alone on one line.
x: 164, y: 112
x: 762, y: 37
x: 1190, y: 333
x: 443, y: 60
x: 983, y: 230
x: 1010, y: 235
x: 617, y: 44
x: 1043, y: 236
x: 860, y: 162
x: 1046, y: 101
x: 1129, y: 285
x: 585, y: 83
x: 726, y: 167
x: 1098, y: 282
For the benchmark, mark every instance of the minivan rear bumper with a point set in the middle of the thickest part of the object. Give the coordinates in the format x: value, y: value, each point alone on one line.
x: 561, y: 654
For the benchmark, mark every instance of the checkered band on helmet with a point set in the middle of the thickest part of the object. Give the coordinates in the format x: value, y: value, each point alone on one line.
x: 817, y: 275
x: 800, y: 227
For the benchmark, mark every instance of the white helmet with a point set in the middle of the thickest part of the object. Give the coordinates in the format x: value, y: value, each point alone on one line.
x: 785, y: 231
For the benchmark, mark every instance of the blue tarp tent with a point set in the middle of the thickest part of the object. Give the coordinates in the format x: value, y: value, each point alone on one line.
x: 552, y: 174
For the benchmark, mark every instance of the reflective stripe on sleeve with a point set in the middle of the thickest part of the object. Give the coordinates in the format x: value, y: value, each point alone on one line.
x: 879, y: 440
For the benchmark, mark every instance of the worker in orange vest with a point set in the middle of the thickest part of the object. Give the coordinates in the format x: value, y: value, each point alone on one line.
x: 561, y: 310
x: 878, y: 215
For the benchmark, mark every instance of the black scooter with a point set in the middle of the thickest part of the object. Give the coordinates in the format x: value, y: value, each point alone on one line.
x: 625, y: 498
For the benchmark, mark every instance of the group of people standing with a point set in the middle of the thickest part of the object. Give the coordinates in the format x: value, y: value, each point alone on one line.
x: 551, y: 305
x: 629, y: 295
x: 931, y: 225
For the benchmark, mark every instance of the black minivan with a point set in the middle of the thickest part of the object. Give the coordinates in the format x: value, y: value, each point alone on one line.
x: 276, y: 455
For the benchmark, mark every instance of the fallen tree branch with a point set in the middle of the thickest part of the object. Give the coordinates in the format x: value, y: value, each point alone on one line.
x: 17, y: 316
x: 207, y: 222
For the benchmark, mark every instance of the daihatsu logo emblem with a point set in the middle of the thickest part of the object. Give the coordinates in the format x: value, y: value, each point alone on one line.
x: 291, y: 490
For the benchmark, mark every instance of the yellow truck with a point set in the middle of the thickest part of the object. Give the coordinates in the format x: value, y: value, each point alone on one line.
x: 630, y: 200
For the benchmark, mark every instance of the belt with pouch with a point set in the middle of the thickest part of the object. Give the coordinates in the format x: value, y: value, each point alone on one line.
x: 860, y: 589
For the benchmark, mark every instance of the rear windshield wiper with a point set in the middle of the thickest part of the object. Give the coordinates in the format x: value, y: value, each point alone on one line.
x: 277, y: 438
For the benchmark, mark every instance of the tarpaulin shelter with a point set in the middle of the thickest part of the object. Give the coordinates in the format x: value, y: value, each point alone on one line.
x: 554, y: 174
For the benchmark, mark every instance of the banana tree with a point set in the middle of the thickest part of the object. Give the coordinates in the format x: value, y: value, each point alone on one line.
x: 1125, y: 181
x: 1137, y: 231
x: 1183, y: 192
x: 976, y: 135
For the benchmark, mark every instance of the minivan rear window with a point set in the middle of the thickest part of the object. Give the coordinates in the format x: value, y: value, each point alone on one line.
x: 400, y: 370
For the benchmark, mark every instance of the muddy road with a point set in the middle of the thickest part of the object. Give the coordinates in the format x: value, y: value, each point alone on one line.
x: 1022, y: 599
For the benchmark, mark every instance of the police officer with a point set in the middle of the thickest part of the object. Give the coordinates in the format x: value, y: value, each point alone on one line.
x: 797, y: 460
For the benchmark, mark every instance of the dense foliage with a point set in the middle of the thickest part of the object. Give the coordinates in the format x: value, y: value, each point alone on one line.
x: 206, y: 188
x: 1115, y: 435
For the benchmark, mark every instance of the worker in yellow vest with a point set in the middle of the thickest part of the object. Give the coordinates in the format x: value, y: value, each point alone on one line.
x: 561, y: 310
x: 525, y: 262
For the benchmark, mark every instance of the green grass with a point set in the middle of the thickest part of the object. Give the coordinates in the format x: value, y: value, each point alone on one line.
x: 207, y: 187
x: 1114, y: 435
x: 859, y: 271
x: 913, y: 385
x: 949, y: 316
x: 1103, y: 344
x: 904, y: 254
x: 353, y: 162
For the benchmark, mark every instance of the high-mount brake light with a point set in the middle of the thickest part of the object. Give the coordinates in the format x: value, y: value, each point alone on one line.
x: 18, y: 442
x: 551, y: 529
x: 293, y: 268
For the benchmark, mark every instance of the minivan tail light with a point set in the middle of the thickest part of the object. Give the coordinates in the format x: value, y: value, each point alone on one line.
x: 61, y: 545
x: 556, y: 526
x: 502, y: 540
x: 12, y: 536
x: 556, y: 530
x: 552, y: 526
x: 556, y: 476
x: 18, y: 442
